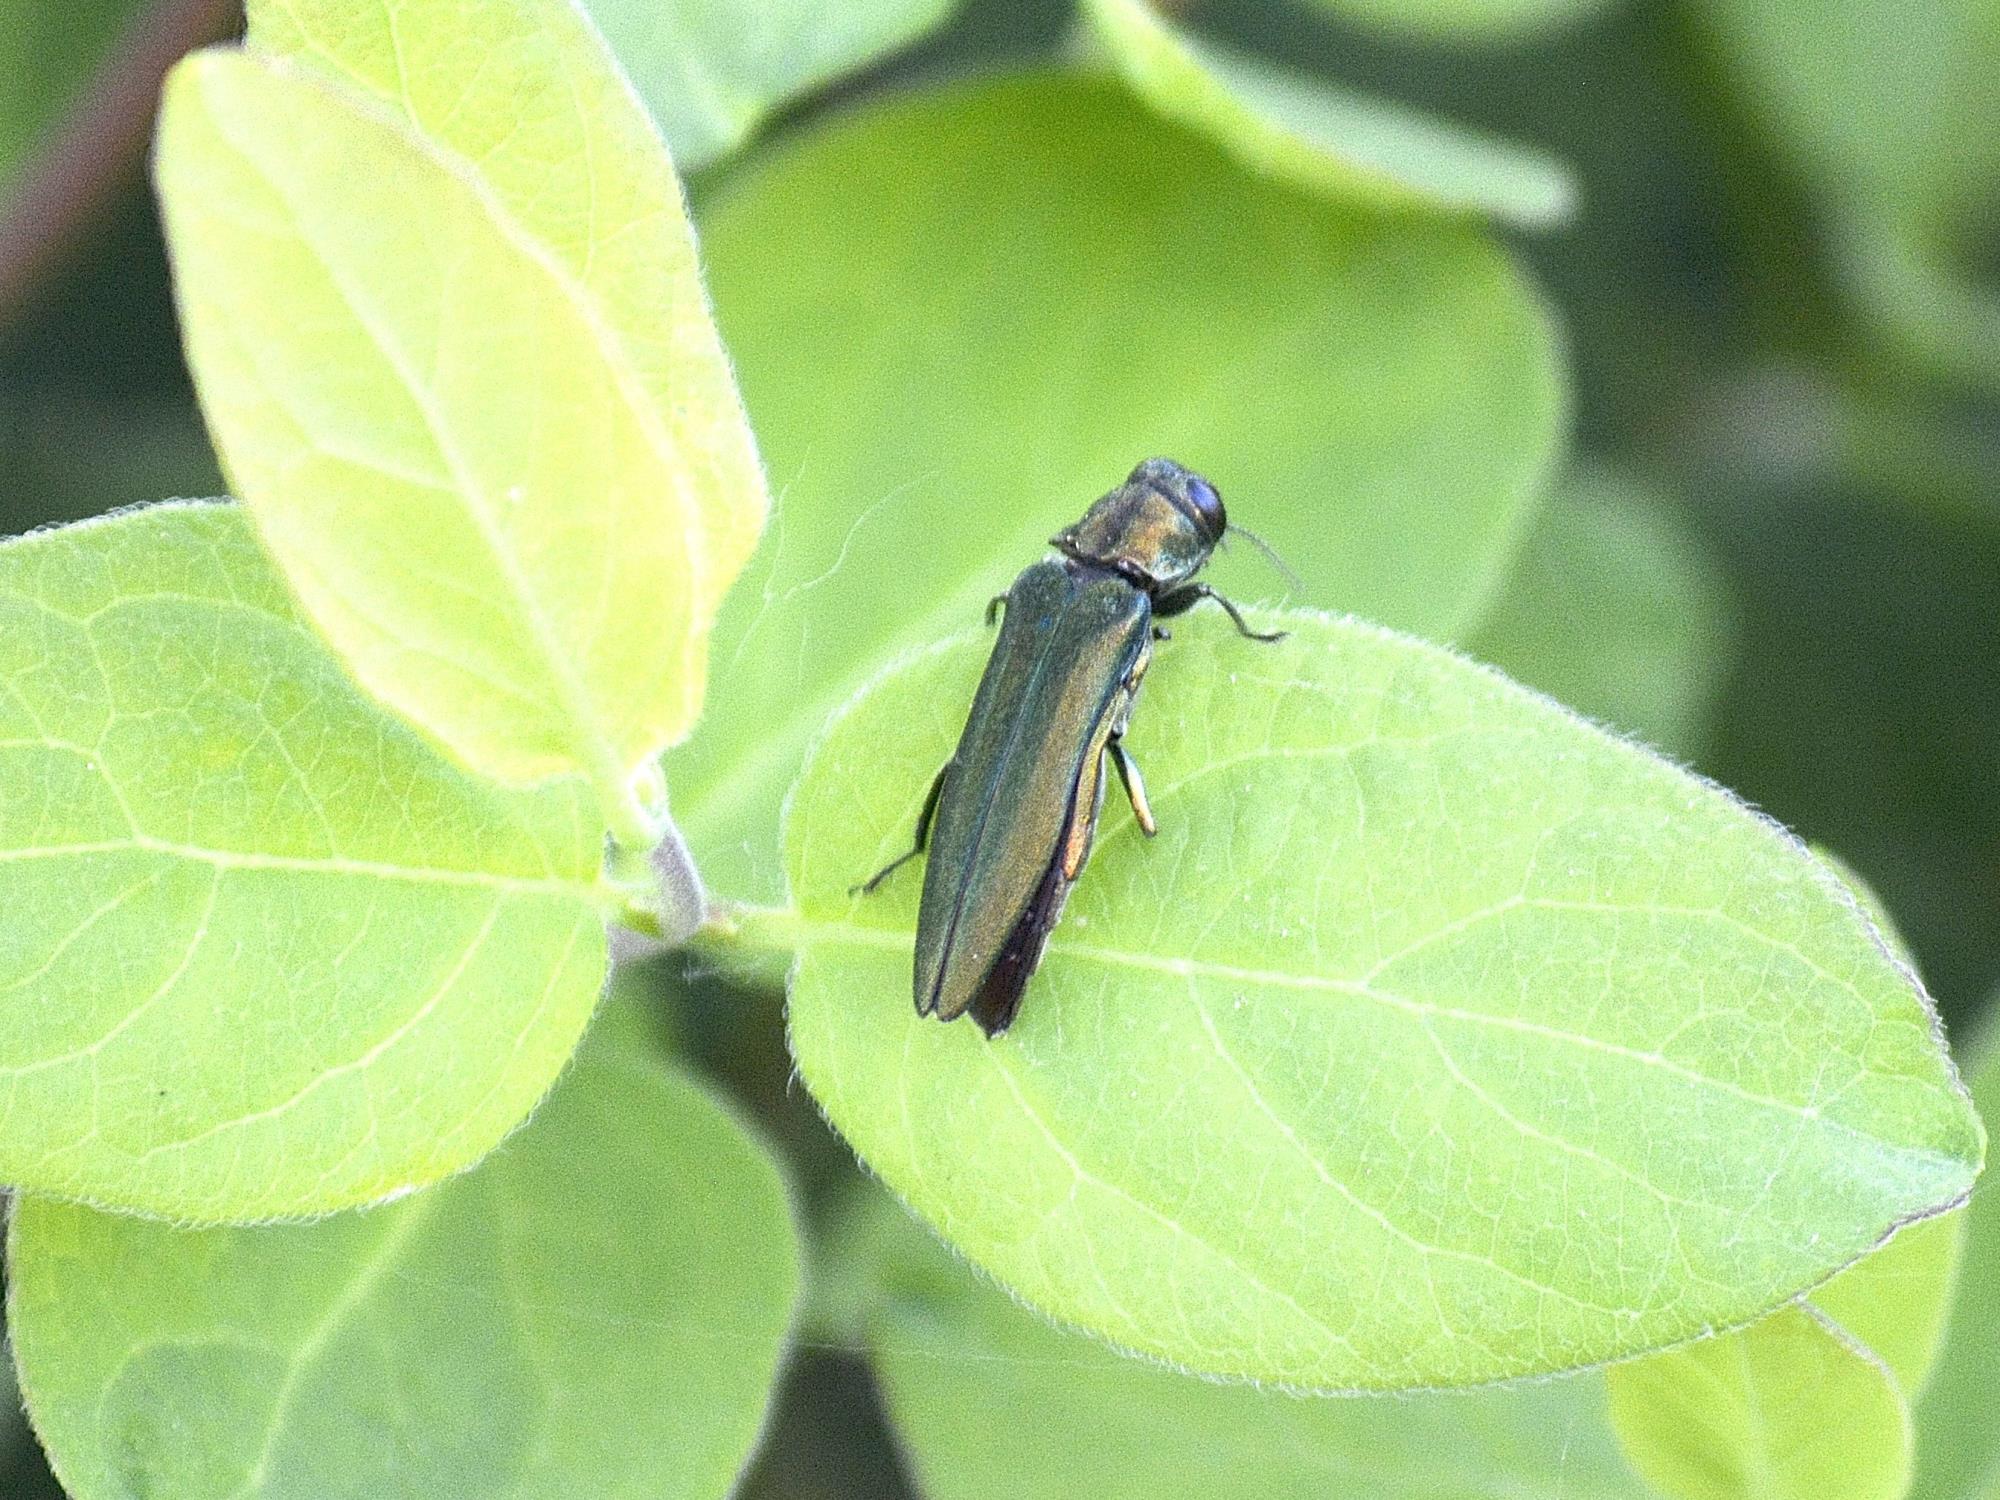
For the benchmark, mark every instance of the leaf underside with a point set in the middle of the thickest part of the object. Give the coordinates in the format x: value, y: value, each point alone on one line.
x: 1305, y: 130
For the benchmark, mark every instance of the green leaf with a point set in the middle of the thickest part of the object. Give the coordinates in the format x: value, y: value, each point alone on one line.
x: 1870, y: 901
x: 1793, y: 1407
x: 1892, y: 115
x: 988, y: 1399
x: 1887, y: 105
x: 1303, y: 130
x: 582, y: 187
x: 47, y: 54
x: 713, y: 72
x: 1895, y: 1301
x: 598, y: 1310
x: 266, y: 952
x: 1813, y: 1402
x: 1614, y: 609
x: 1958, y: 1443
x: 442, y: 309
x: 1468, y: 19
x: 1438, y: 1038
x: 960, y: 318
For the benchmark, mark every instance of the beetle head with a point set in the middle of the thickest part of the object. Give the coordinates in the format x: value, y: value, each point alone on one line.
x: 1158, y: 527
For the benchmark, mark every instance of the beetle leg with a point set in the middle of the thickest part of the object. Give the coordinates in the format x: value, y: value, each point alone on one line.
x: 1135, y: 787
x: 993, y: 607
x: 924, y: 819
x: 1161, y: 633
x: 1185, y: 598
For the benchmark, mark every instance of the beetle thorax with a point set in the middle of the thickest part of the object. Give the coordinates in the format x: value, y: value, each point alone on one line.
x: 1144, y: 531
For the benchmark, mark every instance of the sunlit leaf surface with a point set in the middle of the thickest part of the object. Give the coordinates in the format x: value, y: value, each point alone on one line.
x: 1437, y: 1038
x: 266, y: 952
x: 442, y: 308
x: 598, y: 1310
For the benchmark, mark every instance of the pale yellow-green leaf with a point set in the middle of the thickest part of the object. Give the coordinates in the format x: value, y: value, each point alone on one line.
x: 597, y: 1311
x: 1811, y: 1403
x: 1895, y: 1301
x: 1958, y: 1442
x: 266, y: 952
x: 441, y: 306
x: 1792, y: 1410
x: 522, y: 101
x: 1350, y: 147
x: 1437, y: 1038
x: 1082, y: 1421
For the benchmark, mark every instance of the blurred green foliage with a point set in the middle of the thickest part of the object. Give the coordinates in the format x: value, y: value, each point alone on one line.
x: 1958, y: 1444
x: 1617, y: 611
x: 1304, y: 130
x: 1462, y: 20
x: 47, y: 54
x: 1777, y: 304
x: 713, y: 70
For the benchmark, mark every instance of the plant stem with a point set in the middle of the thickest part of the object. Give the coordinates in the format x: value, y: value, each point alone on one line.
x: 683, y: 900
x: 751, y: 944
x: 633, y: 824
x: 659, y: 888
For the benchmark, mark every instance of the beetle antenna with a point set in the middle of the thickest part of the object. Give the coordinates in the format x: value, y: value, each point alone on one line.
x: 1298, y: 584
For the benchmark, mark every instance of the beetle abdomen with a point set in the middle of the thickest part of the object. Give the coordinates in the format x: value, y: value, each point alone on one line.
x: 1070, y: 642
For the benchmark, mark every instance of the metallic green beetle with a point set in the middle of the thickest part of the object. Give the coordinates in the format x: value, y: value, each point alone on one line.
x: 1010, y: 818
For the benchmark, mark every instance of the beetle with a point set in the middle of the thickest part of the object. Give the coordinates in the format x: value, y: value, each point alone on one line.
x: 1010, y: 817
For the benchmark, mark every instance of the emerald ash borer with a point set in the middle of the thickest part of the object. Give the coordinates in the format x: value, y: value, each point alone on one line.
x: 1010, y: 817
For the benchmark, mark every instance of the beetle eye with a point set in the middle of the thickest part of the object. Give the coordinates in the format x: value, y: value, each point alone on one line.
x: 1207, y: 504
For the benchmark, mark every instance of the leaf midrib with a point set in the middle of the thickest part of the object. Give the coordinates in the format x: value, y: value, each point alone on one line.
x: 590, y: 890
x: 884, y: 938
x: 590, y: 731
x: 368, y: 1274
x: 587, y: 729
x: 405, y: 123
